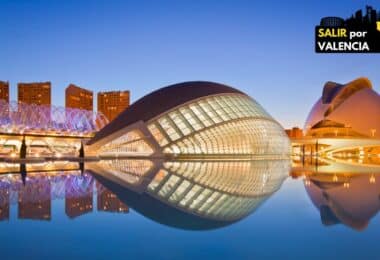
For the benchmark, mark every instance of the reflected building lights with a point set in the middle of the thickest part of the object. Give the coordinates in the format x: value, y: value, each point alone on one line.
x: 351, y: 199
x: 79, y: 194
x: 34, y: 198
x: 4, y: 202
x: 206, y: 194
x: 336, y: 131
x: 34, y: 201
x: 109, y: 202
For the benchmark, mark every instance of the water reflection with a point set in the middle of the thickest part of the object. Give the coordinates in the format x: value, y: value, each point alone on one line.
x: 343, y: 193
x: 184, y: 194
x: 192, y: 194
x: 34, y: 195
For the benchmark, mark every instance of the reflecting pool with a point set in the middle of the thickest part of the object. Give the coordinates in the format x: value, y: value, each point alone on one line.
x: 209, y: 209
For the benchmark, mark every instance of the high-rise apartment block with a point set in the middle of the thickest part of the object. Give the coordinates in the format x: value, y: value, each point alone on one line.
x: 4, y: 90
x: 38, y: 93
x: 112, y: 103
x: 77, y: 97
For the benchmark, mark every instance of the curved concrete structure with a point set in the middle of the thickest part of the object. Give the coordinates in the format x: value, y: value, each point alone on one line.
x: 345, y: 110
x: 193, y: 119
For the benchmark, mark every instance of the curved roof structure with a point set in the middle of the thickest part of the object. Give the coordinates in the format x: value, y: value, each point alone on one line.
x: 353, y: 106
x: 163, y: 100
x: 21, y: 118
x: 193, y: 119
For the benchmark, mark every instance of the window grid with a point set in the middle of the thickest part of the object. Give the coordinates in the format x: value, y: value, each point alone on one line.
x: 184, y: 127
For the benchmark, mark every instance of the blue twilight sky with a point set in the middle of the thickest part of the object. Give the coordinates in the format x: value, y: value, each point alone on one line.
x: 265, y: 48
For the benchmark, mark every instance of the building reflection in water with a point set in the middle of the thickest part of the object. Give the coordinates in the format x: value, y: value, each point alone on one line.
x: 34, y: 200
x: 35, y: 195
x: 109, y: 202
x: 79, y: 193
x: 192, y: 194
x: 184, y: 194
x: 343, y: 193
x: 4, y: 202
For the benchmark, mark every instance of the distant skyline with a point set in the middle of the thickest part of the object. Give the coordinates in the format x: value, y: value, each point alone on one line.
x: 265, y: 48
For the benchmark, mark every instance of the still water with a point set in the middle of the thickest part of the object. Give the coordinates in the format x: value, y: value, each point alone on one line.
x: 140, y: 209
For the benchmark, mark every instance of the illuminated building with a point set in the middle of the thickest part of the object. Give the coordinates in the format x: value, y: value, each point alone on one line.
x: 81, y: 193
x: 194, y: 194
x: 343, y: 121
x: 345, y: 110
x: 38, y: 93
x: 108, y: 201
x: 77, y: 97
x: 48, y: 120
x: 48, y: 130
x: 112, y: 103
x: 295, y: 132
x: 193, y: 119
x: 4, y: 91
x: 34, y: 200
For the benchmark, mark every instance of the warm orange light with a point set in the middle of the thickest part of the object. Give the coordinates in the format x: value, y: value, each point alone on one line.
x: 372, y: 179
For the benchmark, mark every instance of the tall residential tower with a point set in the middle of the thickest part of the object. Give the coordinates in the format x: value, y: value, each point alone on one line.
x: 4, y: 90
x: 38, y: 93
x: 77, y: 97
x: 112, y: 103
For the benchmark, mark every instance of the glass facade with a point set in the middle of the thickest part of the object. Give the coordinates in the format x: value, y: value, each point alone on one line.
x: 220, y: 124
x: 131, y: 143
x: 39, y: 146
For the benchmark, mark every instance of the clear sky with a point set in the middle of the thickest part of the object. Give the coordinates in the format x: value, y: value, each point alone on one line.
x: 265, y: 48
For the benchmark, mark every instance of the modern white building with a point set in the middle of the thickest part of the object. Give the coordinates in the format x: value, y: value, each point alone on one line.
x: 193, y: 119
x: 350, y: 110
x: 343, y: 124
